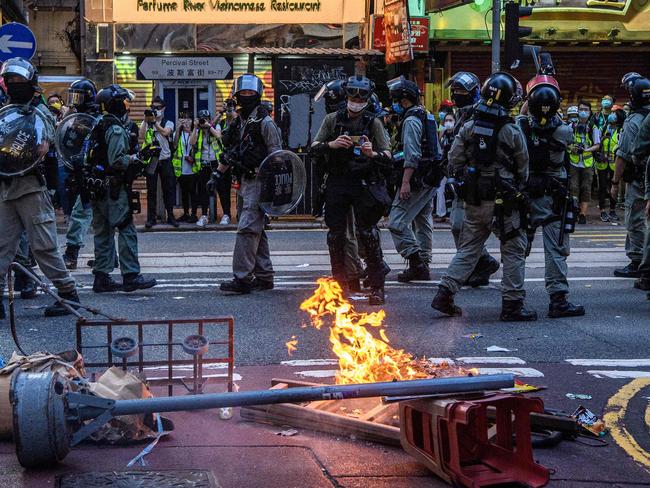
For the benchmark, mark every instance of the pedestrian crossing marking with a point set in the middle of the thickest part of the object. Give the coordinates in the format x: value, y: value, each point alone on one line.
x: 618, y: 374
x: 627, y: 363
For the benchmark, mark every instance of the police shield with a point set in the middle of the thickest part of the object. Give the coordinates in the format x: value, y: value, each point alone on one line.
x: 25, y: 134
x: 70, y: 135
x: 282, y: 179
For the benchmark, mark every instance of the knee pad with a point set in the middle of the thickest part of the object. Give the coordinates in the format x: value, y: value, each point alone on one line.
x: 370, y: 238
x: 336, y: 239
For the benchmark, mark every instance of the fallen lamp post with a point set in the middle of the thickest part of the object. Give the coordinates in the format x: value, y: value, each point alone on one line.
x: 49, y: 419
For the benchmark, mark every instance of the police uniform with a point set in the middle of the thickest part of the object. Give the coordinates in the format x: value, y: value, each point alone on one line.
x: 547, y: 147
x: 350, y: 183
x: 111, y: 213
x: 411, y: 221
x: 25, y: 205
x: 634, y: 192
x: 641, y: 154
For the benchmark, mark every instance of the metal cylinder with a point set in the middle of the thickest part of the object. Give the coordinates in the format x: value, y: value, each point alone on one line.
x: 304, y: 394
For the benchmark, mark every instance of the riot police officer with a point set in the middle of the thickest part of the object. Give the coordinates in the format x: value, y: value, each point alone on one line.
x: 548, y: 138
x: 357, y: 147
x: 489, y: 154
x: 24, y: 202
x: 420, y: 174
x: 248, y: 140
x: 107, y: 172
x: 81, y: 98
x: 632, y: 172
x: 465, y: 92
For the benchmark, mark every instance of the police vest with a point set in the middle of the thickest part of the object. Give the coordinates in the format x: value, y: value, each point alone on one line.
x: 540, y: 143
x: 429, y: 140
x: 585, y: 140
x: 608, y: 146
x: 341, y: 159
x: 95, y: 147
x: 485, y: 138
x: 250, y: 149
x: 217, y: 147
x: 179, y: 154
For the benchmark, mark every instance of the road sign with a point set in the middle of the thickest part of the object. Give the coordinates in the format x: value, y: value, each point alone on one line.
x: 16, y: 41
x: 184, y: 68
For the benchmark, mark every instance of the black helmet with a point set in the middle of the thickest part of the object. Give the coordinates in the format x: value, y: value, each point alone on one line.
x: 111, y: 99
x: 465, y: 88
x: 500, y: 89
x: 248, y: 82
x: 81, y: 92
x: 359, y: 86
x: 543, y: 102
x: 334, y: 94
x: 20, y: 67
x: 204, y: 114
x: 639, y: 91
x: 629, y: 77
x: 400, y: 87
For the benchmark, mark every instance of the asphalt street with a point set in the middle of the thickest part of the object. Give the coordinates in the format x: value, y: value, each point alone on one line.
x: 598, y: 354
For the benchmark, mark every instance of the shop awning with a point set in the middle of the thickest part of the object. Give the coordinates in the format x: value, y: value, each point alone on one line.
x: 306, y: 51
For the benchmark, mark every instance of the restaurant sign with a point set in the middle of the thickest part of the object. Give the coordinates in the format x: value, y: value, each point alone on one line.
x: 419, y: 27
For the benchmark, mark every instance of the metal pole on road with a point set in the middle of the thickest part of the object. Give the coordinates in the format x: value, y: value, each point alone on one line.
x: 496, y: 35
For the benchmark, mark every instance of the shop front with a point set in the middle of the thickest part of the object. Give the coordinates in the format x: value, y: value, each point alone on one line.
x: 593, y: 43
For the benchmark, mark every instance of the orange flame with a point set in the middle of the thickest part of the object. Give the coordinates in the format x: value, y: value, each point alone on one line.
x: 364, y: 358
x: 291, y: 345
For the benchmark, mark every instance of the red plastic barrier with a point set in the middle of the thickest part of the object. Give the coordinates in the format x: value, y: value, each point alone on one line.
x: 454, y: 439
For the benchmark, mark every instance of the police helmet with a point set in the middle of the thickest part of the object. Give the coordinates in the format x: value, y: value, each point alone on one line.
x: 500, y: 89
x: 541, y: 80
x: 333, y: 92
x: 3, y: 92
x: 629, y: 77
x: 20, y: 67
x: 111, y: 99
x: 464, y: 88
x: 400, y: 87
x: 359, y: 87
x: 544, y: 102
x: 81, y: 92
x: 639, y: 92
x: 248, y: 82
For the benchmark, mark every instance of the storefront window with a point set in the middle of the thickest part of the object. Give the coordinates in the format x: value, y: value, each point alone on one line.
x: 155, y: 38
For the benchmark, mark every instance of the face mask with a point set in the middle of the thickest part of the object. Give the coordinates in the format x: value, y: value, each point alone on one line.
x: 441, y: 115
x: 117, y: 108
x: 606, y: 103
x: 449, y: 125
x: 20, y: 93
x: 612, y: 118
x: 356, y: 107
x: 583, y: 115
x: 248, y: 103
x: 397, y: 108
x: 573, y: 120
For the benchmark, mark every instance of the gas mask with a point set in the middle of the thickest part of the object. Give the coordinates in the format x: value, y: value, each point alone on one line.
x: 356, y: 107
x: 20, y: 93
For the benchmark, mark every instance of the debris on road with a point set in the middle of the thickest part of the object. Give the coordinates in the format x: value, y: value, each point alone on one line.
x: 589, y: 421
x: 304, y: 265
x: 498, y: 349
x: 476, y: 335
x: 578, y: 396
x: 139, y: 299
x: 287, y: 433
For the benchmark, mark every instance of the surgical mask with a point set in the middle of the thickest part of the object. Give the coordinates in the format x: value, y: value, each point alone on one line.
x: 606, y: 103
x: 441, y: 115
x: 20, y: 93
x: 397, y: 108
x: 356, y: 106
x: 583, y: 115
x: 611, y: 118
x: 449, y: 125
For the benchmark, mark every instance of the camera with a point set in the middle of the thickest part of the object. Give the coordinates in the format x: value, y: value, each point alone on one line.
x: 150, y: 113
x: 202, y: 121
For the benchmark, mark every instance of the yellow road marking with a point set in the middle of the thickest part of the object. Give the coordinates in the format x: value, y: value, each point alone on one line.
x: 615, y: 415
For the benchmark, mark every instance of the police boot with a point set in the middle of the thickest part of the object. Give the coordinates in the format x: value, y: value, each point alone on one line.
x: 642, y: 283
x: 3, y: 315
x: 104, y: 283
x: 629, y: 271
x: 353, y: 285
x: 70, y: 256
x: 485, y: 267
x: 417, y: 270
x: 236, y: 286
x: 376, y: 296
x: 444, y: 302
x: 25, y: 286
x: 561, y: 307
x: 385, y: 267
x: 135, y: 281
x: 514, y: 311
x: 58, y: 310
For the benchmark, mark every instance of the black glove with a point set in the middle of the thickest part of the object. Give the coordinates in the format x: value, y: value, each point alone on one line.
x: 216, y: 177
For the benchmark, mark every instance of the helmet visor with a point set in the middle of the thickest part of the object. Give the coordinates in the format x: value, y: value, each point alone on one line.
x: 22, y: 71
x: 75, y: 98
x: 321, y: 93
x: 248, y: 82
x: 357, y: 92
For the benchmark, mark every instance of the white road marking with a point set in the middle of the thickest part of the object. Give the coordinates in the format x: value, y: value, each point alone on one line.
x: 623, y: 363
x: 309, y: 362
x: 526, y: 372
x: 491, y: 360
x: 317, y: 373
x: 619, y: 374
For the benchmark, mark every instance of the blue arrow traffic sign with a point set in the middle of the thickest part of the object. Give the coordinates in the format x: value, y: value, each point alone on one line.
x: 16, y: 41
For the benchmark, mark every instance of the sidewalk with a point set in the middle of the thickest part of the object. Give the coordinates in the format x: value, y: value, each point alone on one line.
x: 248, y: 455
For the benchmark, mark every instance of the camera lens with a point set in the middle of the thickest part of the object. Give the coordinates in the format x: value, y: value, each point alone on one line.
x: 201, y: 121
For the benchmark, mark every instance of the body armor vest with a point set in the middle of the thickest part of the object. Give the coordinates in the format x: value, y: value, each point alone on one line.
x: 540, y: 143
x: 341, y: 160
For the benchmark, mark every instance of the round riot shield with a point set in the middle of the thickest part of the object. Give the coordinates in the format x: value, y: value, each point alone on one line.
x: 70, y: 135
x: 282, y: 178
x: 25, y: 134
